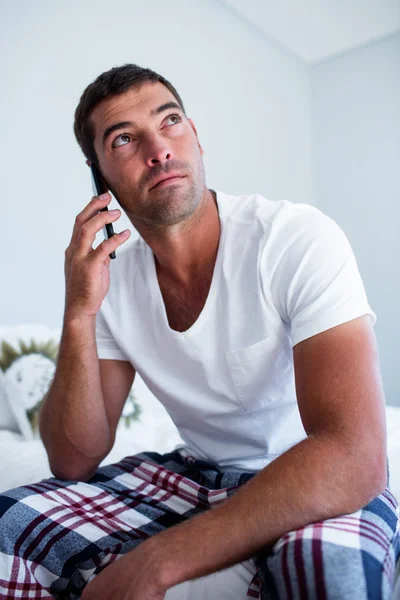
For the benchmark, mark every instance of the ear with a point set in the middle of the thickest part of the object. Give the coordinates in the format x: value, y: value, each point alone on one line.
x: 88, y: 162
x: 195, y: 132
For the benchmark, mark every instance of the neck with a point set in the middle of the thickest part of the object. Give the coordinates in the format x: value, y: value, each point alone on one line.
x: 186, y: 252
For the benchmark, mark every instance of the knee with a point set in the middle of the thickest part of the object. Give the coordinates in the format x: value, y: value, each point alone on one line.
x: 344, y: 557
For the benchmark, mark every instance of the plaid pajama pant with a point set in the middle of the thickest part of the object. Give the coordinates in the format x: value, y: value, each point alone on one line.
x: 57, y: 535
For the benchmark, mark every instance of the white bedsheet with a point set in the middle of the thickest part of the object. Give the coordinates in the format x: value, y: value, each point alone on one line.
x: 26, y: 461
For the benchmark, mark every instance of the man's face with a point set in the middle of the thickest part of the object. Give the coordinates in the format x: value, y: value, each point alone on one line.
x: 134, y: 156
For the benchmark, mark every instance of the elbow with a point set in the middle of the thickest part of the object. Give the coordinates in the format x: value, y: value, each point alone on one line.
x: 362, y: 472
x: 61, y: 473
x: 70, y: 464
x: 69, y: 473
x: 75, y: 466
x: 378, y: 480
x: 373, y: 476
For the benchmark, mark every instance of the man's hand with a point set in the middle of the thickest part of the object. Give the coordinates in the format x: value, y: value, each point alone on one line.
x: 134, y: 576
x: 87, y: 271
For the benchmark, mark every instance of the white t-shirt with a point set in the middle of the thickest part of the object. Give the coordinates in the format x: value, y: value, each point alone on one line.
x: 284, y: 272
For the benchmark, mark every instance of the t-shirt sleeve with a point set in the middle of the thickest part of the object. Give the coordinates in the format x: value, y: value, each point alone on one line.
x: 313, y: 274
x: 107, y: 347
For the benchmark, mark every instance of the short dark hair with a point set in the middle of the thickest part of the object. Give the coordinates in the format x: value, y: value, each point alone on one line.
x: 111, y: 83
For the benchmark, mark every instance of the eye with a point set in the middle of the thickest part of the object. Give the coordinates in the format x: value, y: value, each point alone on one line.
x: 173, y: 116
x: 126, y: 135
x: 122, y: 135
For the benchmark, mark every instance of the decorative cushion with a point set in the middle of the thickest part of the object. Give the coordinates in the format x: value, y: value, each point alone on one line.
x: 28, y: 359
x: 7, y: 419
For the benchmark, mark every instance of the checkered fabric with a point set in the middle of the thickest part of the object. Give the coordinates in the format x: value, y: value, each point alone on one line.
x: 352, y: 557
x: 56, y: 535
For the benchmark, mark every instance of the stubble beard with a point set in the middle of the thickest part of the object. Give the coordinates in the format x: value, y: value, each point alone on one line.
x: 170, y: 205
x: 166, y: 206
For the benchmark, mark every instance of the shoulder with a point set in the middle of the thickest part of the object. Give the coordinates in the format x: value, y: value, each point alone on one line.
x: 271, y: 215
x: 278, y: 226
x: 301, y: 237
x: 294, y: 227
x: 245, y: 208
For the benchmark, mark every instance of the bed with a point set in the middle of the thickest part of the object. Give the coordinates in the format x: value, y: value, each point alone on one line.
x: 23, y: 458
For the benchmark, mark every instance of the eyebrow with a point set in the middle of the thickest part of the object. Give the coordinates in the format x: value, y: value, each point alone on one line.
x: 153, y: 113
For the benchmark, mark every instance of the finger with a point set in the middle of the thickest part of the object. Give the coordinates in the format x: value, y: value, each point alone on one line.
x: 87, y: 213
x: 104, y: 249
x: 91, y: 228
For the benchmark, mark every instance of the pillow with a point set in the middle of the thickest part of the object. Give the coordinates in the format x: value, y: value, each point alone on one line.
x: 28, y: 358
x: 7, y: 419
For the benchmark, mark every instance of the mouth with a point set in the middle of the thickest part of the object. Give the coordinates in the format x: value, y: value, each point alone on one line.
x: 170, y: 180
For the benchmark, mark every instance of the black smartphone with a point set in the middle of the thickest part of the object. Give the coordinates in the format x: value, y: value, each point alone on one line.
x: 99, y: 187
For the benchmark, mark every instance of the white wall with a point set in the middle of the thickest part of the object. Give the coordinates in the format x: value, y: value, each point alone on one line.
x: 356, y: 149
x: 249, y: 102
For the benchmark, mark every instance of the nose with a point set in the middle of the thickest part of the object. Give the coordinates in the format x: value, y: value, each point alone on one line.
x: 159, y: 151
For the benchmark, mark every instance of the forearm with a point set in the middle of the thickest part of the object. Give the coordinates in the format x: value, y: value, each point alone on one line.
x: 73, y: 420
x: 314, y: 480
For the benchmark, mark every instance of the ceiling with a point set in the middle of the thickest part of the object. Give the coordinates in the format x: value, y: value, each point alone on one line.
x: 318, y: 29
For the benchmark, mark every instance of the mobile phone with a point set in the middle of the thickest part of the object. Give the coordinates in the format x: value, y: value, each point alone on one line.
x: 99, y: 187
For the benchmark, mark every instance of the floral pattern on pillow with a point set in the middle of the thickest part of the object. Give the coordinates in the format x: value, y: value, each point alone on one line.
x: 29, y: 368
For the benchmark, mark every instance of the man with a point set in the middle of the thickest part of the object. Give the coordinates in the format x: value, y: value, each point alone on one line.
x: 248, y: 319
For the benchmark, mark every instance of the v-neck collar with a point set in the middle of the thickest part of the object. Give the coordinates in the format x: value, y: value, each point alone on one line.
x: 156, y: 295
